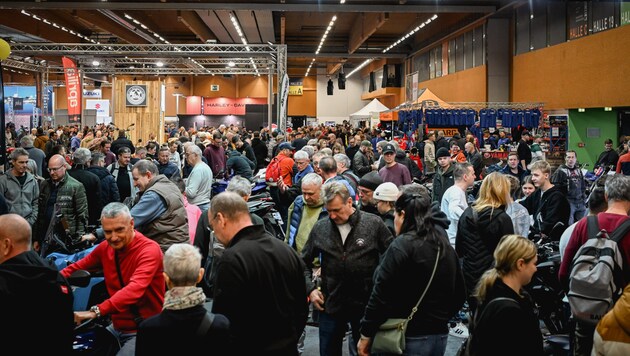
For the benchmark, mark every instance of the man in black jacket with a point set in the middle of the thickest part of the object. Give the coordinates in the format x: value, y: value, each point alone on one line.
x: 260, y: 151
x: 28, y: 287
x: 122, y: 141
x: 548, y: 204
x: 349, y: 245
x: 259, y: 284
x: 91, y: 182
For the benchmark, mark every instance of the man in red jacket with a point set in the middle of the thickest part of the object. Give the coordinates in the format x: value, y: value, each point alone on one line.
x: 617, y: 193
x: 132, y: 267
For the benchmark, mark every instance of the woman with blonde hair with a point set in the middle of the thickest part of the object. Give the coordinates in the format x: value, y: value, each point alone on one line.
x: 480, y: 228
x: 506, y: 322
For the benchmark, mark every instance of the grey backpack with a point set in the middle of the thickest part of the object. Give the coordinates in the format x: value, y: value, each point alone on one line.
x: 596, y: 279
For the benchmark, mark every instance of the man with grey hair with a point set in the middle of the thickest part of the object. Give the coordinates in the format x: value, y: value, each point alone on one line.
x: 34, y: 153
x: 243, y: 187
x: 349, y: 244
x: 91, y: 182
x: 454, y: 201
x: 343, y: 170
x: 305, y: 210
x: 256, y: 263
x: 199, y: 182
x: 303, y: 164
x: 19, y: 188
x: 617, y: 194
x: 183, y: 311
x: 131, y: 264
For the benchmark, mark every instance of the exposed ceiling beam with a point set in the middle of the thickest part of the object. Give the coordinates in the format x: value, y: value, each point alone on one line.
x: 283, y: 28
x: 108, y: 25
x: 265, y: 26
x: 363, y: 28
x: 345, y: 55
x: 26, y: 24
x: 247, y: 21
x: 315, y: 7
x: 211, y: 20
x: 195, y: 25
x: 333, y: 68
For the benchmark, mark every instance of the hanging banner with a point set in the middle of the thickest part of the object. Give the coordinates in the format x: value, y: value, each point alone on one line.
x: 221, y: 106
x: 284, y: 96
x: 624, y: 13
x: 578, y: 19
x: 603, y: 16
x: 73, y: 89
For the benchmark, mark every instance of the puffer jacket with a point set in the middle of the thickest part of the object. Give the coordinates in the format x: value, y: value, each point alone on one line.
x: 612, y: 335
x: 295, y: 221
x: 475, y: 242
x: 109, y: 189
x: 73, y: 203
x: 347, y: 268
x: 21, y: 199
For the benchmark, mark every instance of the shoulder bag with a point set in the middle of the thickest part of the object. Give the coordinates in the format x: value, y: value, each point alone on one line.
x: 390, y: 337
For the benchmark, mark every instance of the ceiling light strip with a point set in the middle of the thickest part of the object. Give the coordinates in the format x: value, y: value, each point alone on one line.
x: 328, y: 29
x: 53, y: 24
x: 155, y: 34
x: 366, y: 62
x: 238, y: 29
x: 309, y: 67
x: 403, y: 38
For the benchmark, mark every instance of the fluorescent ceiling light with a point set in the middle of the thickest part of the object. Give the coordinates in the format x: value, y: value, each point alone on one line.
x: 366, y: 62
x: 410, y: 33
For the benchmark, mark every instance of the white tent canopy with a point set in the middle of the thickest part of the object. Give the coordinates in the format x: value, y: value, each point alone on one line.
x: 372, y: 107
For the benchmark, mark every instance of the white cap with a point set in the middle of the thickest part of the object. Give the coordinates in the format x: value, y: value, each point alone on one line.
x: 386, y: 191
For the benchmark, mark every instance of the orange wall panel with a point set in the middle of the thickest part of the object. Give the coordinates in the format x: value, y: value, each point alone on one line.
x: 305, y: 104
x: 252, y: 86
x: 469, y: 85
x: 592, y: 71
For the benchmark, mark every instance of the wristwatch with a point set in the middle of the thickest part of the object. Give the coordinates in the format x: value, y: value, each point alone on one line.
x: 96, y: 311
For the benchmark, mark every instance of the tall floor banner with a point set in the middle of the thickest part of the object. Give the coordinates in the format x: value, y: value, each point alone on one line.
x: 73, y: 89
x: 284, y: 98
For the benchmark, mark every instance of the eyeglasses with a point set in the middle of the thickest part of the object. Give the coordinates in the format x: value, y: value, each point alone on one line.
x: 54, y: 169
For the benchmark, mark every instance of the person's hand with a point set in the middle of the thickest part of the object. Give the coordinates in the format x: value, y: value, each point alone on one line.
x: 36, y: 246
x: 81, y: 316
x: 88, y: 237
x: 317, y: 298
x: 363, y: 346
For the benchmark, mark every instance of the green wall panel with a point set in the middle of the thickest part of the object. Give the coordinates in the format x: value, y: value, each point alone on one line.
x: 606, y: 121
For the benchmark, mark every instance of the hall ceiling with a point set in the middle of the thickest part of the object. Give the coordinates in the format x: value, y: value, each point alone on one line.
x: 362, y: 29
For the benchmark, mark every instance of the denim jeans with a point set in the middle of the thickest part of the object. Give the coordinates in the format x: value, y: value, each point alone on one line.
x: 331, y: 333
x: 578, y: 211
x: 127, y: 342
x: 425, y: 345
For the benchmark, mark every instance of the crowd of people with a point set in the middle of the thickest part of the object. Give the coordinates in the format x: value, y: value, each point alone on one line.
x: 366, y: 217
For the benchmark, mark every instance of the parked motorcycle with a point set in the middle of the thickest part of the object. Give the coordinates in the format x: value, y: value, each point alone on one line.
x: 265, y: 208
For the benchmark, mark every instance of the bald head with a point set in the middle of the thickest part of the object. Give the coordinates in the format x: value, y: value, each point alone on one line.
x: 57, y: 167
x: 15, y: 236
x: 56, y: 160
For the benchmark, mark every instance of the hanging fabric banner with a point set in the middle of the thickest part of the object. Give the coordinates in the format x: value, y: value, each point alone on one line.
x: 73, y: 90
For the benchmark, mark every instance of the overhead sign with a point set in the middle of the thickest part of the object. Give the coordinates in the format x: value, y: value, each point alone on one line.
x: 92, y: 94
x: 136, y: 95
x: 296, y: 86
x: 101, y: 107
x: 73, y: 89
x: 578, y: 19
x: 603, y: 16
x: 229, y: 106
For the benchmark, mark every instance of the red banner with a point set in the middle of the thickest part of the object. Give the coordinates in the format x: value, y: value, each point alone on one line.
x: 229, y: 106
x: 73, y: 90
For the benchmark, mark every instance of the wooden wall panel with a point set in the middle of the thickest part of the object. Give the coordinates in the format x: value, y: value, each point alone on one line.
x: 465, y: 86
x: 592, y: 71
x: 146, y: 119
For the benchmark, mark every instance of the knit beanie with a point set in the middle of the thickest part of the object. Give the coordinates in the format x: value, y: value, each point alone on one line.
x: 370, y: 180
x: 442, y: 152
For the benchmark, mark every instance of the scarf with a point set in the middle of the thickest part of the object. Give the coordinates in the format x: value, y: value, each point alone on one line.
x: 179, y: 298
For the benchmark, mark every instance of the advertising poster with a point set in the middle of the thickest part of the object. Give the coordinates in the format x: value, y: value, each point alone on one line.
x: 73, y: 89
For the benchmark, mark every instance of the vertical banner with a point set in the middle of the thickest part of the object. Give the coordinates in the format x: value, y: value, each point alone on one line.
x: 624, y: 12
x: 73, y: 89
x: 284, y: 96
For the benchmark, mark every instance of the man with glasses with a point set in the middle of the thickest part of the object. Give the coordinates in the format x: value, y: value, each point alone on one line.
x: 68, y: 194
x: 303, y: 163
x: 215, y: 154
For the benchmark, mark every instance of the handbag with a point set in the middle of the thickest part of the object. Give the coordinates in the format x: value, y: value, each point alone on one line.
x: 390, y: 337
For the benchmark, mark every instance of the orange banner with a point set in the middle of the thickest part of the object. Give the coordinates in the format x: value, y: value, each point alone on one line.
x: 73, y: 89
x: 229, y: 106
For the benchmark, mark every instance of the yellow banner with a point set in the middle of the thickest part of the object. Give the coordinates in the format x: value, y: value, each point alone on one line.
x: 296, y: 89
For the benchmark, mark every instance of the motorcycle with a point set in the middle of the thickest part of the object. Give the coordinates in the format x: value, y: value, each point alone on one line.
x: 596, y: 178
x: 265, y: 208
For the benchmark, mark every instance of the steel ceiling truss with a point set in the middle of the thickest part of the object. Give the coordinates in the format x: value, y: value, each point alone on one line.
x: 176, y: 58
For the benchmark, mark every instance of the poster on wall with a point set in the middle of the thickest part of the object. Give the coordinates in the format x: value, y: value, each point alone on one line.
x: 411, y: 87
x: 221, y: 106
x: 296, y: 86
x: 284, y: 96
x: 624, y: 12
x: 578, y: 18
x: 603, y: 16
x: 136, y: 95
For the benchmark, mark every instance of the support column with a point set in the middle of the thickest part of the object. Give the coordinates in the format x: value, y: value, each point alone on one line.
x: 498, y: 56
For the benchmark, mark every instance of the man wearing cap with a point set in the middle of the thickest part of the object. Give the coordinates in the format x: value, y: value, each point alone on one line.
x: 523, y: 150
x: 393, y: 171
x: 363, y: 159
x: 385, y: 196
x: 443, y: 178
x: 367, y: 185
